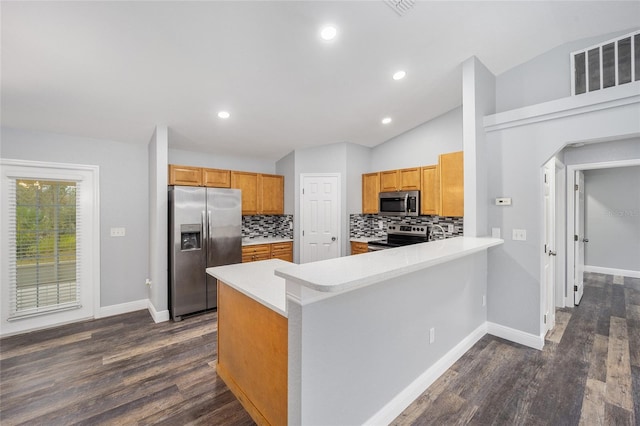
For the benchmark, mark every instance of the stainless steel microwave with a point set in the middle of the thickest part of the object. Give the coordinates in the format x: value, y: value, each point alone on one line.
x: 399, y: 203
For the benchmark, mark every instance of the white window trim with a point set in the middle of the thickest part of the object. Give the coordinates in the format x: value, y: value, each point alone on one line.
x: 90, y: 199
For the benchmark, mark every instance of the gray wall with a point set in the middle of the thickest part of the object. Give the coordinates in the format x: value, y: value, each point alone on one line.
x: 612, y: 218
x: 544, y: 78
x: 421, y: 145
x: 286, y: 167
x: 199, y: 159
x: 124, y: 194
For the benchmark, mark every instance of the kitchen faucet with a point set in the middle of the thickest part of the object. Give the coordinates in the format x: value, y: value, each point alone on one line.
x: 444, y: 235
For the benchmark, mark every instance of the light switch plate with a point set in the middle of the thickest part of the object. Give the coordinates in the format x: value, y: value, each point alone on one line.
x: 118, y: 232
x: 519, y: 235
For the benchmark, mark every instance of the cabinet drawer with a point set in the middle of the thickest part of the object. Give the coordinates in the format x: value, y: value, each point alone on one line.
x: 359, y: 248
x: 282, y: 251
x: 256, y: 252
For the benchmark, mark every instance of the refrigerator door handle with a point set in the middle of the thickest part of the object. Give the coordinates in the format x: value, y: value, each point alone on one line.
x: 204, y: 226
x: 209, y: 225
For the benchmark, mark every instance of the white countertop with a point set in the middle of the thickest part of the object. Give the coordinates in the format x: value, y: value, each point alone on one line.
x: 366, y: 239
x: 349, y: 272
x: 265, y: 240
x: 257, y: 281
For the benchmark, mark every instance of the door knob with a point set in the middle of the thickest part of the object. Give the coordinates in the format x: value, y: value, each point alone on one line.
x: 552, y: 253
x: 333, y: 238
x: 585, y: 240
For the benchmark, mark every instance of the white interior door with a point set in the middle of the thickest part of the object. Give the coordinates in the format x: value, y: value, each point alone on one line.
x: 320, y: 218
x: 549, y: 255
x: 579, y: 239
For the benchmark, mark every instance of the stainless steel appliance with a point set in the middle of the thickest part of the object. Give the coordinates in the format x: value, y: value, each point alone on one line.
x: 399, y: 203
x: 401, y: 235
x: 205, y: 229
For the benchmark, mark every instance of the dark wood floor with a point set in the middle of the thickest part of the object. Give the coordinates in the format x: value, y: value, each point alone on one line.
x: 120, y: 370
x: 128, y: 370
x: 587, y: 374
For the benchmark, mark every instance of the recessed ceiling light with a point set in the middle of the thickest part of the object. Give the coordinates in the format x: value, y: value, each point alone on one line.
x: 386, y: 120
x: 328, y: 33
x: 224, y: 114
x: 399, y: 75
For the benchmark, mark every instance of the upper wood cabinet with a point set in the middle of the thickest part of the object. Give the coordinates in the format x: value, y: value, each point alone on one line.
x: 370, y: 190
x: 430, y: 193
x: 451, y: 167
x: 261, y: 193
x: 198, y: 176
x: 400, y: 180
x: 185, y: 175
x: 270, y: 194
x: 216, y: 178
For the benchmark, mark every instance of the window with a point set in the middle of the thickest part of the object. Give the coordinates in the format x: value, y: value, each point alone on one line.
x: 50, y: 234
x: 612, y: 63
x: 43, y: 260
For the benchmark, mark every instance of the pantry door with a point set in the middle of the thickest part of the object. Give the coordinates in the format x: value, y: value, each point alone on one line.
x: 320, y: 211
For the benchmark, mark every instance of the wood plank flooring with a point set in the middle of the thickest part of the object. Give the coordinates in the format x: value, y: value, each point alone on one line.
x: 587, y: 374
x: 120, y: 370
x: 128, y: 370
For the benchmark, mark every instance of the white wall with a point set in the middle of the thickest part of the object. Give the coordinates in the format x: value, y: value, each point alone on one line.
x: 158, y: 293
x: 518, y: 149
x: 421, y: 145
x: 612, y: 218
x: 226, y: 162
x: 543, y: 78
x: 124, y: 195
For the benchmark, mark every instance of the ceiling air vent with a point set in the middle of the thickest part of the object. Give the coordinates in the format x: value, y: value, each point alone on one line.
x: 608, y: 64
x: 400, y: 6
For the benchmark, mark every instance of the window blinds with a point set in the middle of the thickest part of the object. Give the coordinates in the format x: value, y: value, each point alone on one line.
x: 44, y: 239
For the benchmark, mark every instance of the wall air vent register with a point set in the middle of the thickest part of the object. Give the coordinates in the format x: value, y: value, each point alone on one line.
x: 609, y: 64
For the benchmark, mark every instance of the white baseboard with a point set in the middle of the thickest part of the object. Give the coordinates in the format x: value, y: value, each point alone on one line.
x: 516, y: 336
x: 122, y: 308
x: 158, y: 316
x: 402, y: 400
x: 612, y: 271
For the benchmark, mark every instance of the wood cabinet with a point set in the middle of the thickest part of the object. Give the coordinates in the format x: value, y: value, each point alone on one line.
x: 261, y: 193
x: 185, y: 175
x: 282, y: 251
x: 198, y: 176
x: 270, y: 194
x: 256, y: 252
x: 216, y: 178
x: 370, y: 191
x: 430, y: 193
x: 400, y: 180
x: 451, y: 168
x: 253, y: 253
x: 359, y: 248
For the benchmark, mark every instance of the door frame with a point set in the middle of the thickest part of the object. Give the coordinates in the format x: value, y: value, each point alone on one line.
x: 338, y: 177
x: 550, y: 171
x: 91, y: 248
x: 571, y: 210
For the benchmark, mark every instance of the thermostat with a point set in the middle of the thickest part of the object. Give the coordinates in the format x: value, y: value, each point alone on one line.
x: 503, y: 201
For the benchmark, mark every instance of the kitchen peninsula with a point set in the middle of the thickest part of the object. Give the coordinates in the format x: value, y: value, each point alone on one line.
x: 364, y: 335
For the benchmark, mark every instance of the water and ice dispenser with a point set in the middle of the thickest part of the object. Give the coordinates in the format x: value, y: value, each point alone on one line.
x: 190, y: 237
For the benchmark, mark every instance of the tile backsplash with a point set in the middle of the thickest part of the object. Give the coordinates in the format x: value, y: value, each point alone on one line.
x: 373, y: 225
x: 267, y: 226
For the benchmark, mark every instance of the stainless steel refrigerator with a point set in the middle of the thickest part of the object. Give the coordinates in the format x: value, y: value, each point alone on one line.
x: 205, y: 229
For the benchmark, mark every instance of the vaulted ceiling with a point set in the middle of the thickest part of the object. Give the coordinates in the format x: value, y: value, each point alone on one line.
x: 115, y: 70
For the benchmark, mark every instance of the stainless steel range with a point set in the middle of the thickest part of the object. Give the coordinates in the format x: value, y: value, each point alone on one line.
x: 401, y: 235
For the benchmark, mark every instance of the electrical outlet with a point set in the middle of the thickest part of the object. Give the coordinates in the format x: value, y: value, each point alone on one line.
x: 380, y: 224
x: 432, y: 335
x: 118, y: 232
x: 450, y: 229
x: 147, y: 282
x: 495, y: 232
x: 484, y: 300
x: 519, y: 235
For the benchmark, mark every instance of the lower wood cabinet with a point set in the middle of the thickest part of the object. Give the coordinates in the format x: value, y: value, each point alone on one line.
x: 359, y: 248
x: 257, y: 252
x: 282, y: 251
